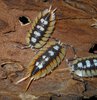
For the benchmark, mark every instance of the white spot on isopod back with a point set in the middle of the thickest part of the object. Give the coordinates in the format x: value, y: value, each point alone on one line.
x: 44, y: 21
x: 40, y: 27
x: 88, y: 64
x: 95, y: 62
x: 43, y: 56
x: 80, y: 65
x: 33, y: 39
x: 37, y: 63
x: 51, y: 53
x: 37, y: 33
x: 46, y: 59
x: 40, y: 66
x: 56, y: 47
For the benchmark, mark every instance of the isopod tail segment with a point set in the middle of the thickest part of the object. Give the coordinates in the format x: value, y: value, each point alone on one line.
x: 45, y: 61
x: 41, y: 29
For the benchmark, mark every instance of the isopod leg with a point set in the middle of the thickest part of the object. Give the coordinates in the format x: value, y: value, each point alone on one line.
x: 23, y: 46
x: 75, y: 77
x: 73, y: 50
x: 55, y: 39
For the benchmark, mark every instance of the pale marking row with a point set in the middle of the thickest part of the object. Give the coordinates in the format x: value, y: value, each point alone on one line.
x: 40, y: 65
x: 88, y: 64
x: 37, y: 34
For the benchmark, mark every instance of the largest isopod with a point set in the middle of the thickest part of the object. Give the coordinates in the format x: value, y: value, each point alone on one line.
x: 42, y: 28
x: 45, y: 61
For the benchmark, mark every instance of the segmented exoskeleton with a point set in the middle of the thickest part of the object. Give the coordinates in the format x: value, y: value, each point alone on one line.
x: 42, y: 28
x: 44, y: 62
x: 84, y: 67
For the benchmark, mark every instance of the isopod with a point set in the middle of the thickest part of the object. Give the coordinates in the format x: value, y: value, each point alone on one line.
x: 45, y: 61
x: 42, y: 29
x: 85, y: 66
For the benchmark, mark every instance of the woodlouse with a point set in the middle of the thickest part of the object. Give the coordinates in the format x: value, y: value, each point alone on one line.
x: 42, y: 29
x: 45, y: 61
x: 85, y: 66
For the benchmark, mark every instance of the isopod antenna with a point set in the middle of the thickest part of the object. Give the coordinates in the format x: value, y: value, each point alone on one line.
x: 73, y: 50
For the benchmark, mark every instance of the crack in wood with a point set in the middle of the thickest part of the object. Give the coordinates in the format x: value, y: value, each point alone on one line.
x: 82, y: 6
